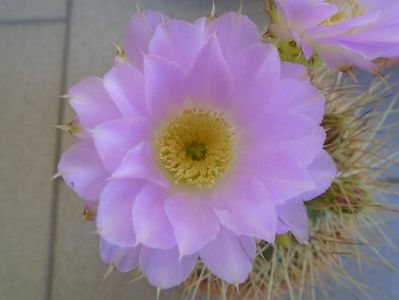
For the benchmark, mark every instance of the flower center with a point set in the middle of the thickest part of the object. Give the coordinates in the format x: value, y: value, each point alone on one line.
x: 347, y: 9
x: 196, y: 148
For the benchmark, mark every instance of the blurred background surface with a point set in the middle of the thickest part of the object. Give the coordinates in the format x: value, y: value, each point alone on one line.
x: 47, y: 250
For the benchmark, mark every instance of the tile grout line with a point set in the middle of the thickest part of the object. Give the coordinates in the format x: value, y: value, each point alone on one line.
x: 53, y: 224
x: 32, y: 21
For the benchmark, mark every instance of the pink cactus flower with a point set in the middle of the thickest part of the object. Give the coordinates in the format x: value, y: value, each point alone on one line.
x: 342, y: 32
x: 195, y: 146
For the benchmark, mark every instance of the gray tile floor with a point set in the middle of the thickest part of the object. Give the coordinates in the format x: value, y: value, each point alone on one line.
x: 47, y: 251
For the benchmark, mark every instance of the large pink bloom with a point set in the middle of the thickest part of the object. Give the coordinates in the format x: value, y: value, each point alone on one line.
x: 342, y: 32
x: 199, y: 144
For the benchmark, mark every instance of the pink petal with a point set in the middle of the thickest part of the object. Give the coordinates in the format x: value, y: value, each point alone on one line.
x: 306, y: 48
x: 139, y: 163
x: 151, y: 224
x: 253, y: 68
x: 124, y: 259
x: 369, y: 49
x: 323, y: 171
x: 284, y: 176
x: 294, y: 71
x: 91, y: 102
x: 287, y: 131
x: 140, y: 32
x: 244, y: 207
x: 205, y: 27
x: 125, y: 85
x: 193, y: 221
x: 299, y: 97
x: 234, y: 33
x: 302, y: 14
x: 229, y: 257
x: 282, y: 228
x: 164, y: 268
x: 248, y: 244
x: 337, y: 58
x: 177, y: 41
x: 371, y: 5
x: 293, y: 214
x: 114, y: 217
x: 209, y: 77
x: 113, y: 139
x: 83, y: 171
x: 361, y: 22
x: 164, y: 86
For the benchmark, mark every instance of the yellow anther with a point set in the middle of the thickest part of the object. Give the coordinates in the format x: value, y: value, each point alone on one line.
x: 196, y: 148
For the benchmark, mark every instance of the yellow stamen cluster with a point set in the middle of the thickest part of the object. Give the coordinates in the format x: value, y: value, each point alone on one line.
x: 347, y: 9
x: 196, y: 148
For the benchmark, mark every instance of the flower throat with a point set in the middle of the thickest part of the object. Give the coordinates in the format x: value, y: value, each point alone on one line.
x: 196, y: 148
